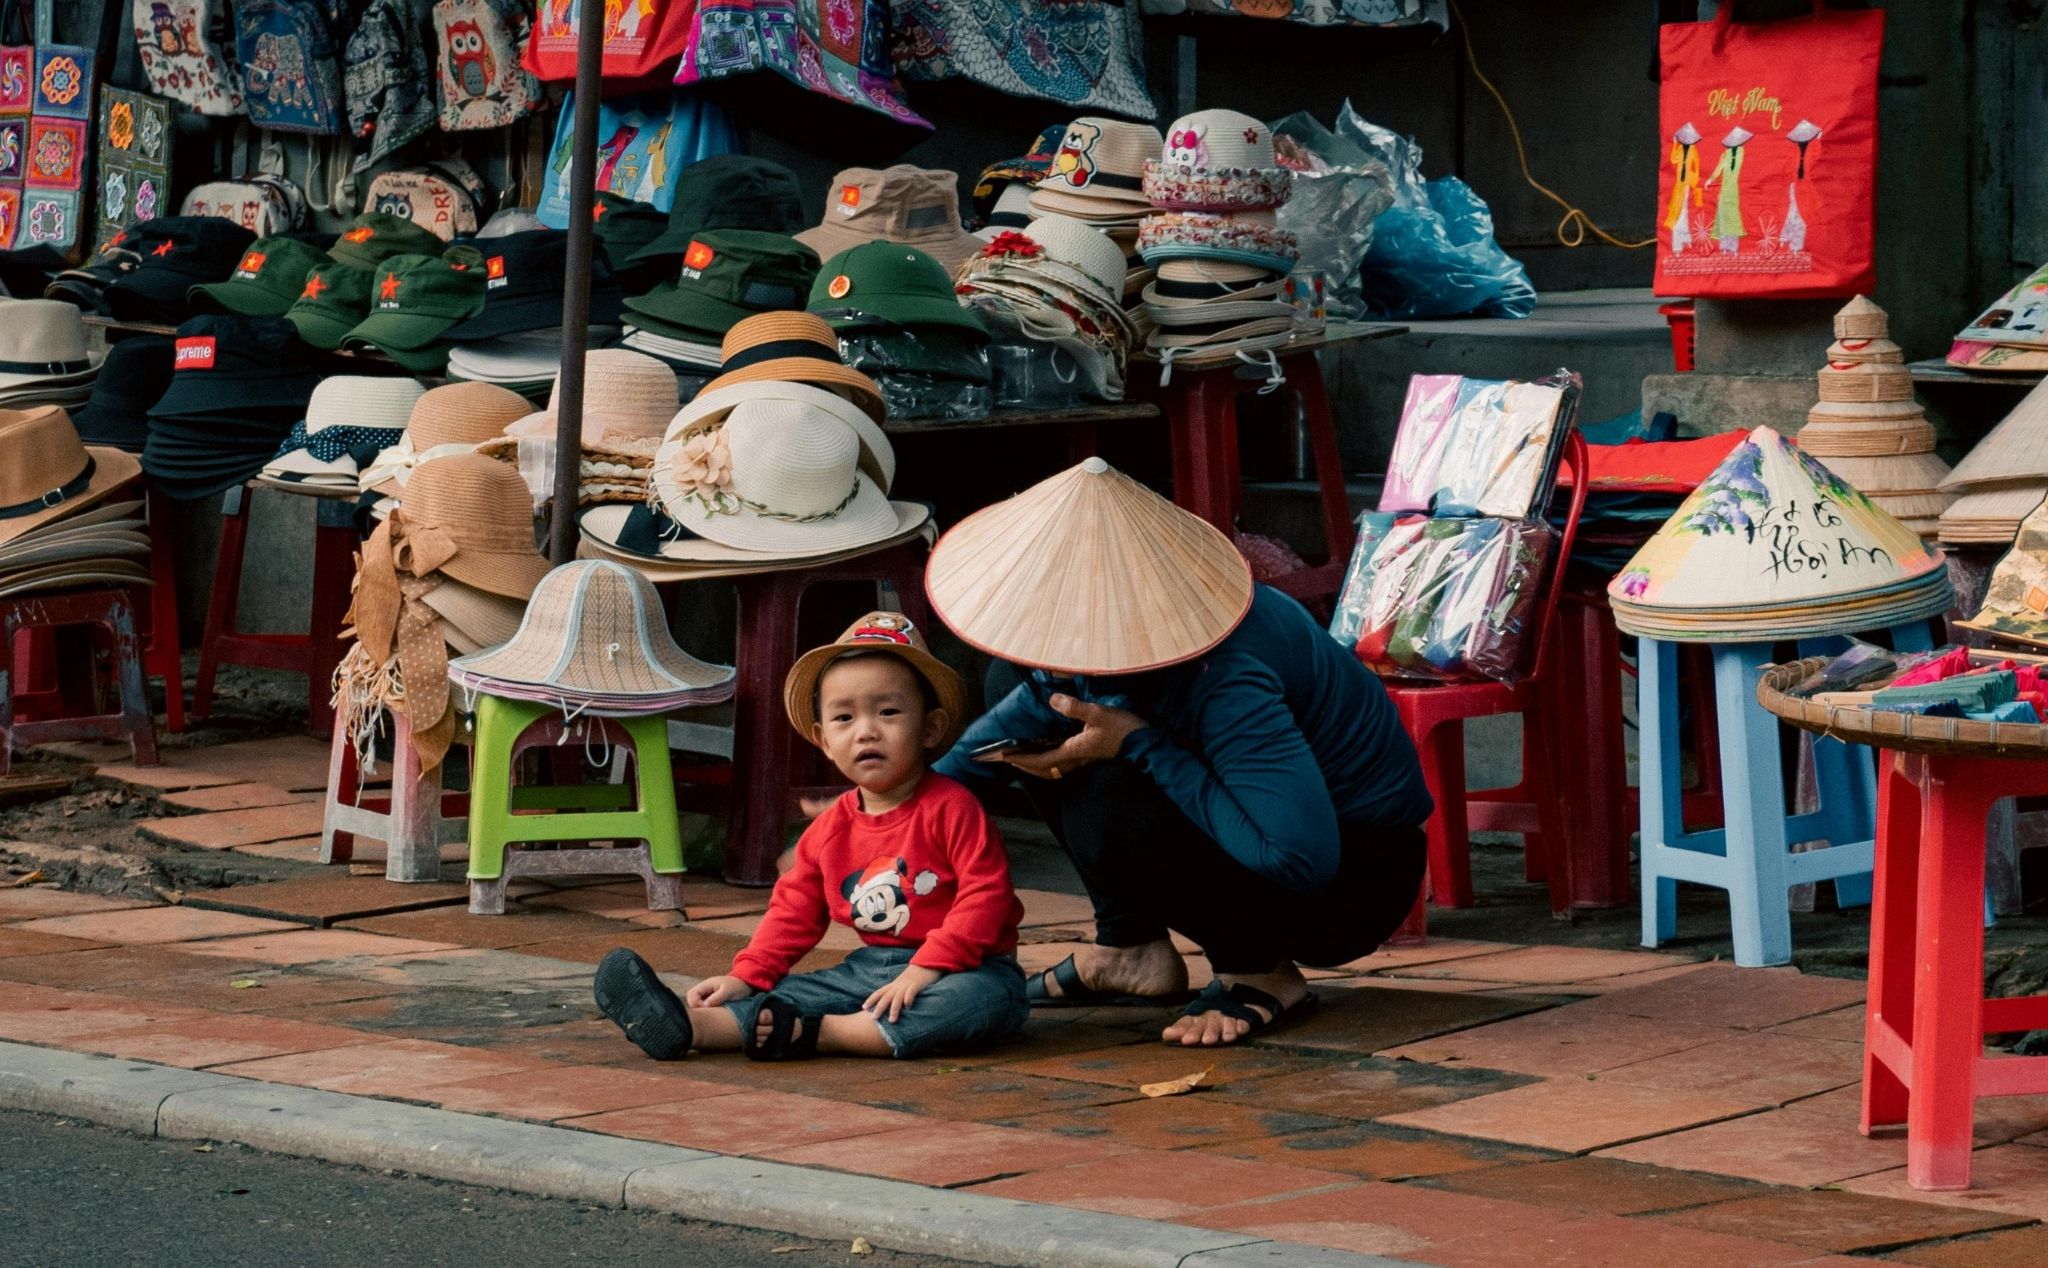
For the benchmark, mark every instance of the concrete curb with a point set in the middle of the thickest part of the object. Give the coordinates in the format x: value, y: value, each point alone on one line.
x: 610, y: 1171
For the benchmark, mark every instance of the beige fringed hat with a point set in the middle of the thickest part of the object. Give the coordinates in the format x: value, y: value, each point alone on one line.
x: 473, y: 518
x: 1089, y: 572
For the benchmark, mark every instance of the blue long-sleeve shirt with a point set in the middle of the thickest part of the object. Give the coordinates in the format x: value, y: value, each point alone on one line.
x: 1267, y: 743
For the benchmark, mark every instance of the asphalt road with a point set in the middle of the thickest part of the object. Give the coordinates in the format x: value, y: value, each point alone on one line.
x: 77, y: 1196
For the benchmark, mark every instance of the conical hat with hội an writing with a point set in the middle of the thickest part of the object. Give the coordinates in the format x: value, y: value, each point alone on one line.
x: 1771, y: 528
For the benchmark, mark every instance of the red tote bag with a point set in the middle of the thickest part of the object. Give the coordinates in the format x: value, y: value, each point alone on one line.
x: 1768, y: 187
x: 643, y: 41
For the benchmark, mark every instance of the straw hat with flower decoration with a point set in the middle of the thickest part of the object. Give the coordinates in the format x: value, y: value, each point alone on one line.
x: 887, y: 633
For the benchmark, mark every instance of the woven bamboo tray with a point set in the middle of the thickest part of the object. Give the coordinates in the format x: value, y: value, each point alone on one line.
x: 1910, y: 733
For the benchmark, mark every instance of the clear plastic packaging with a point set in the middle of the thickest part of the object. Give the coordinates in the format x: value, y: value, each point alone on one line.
x: 1451, y: 599
x: 1373, y: 527
x: 1339, y: 190
x: 1425, y: 430
x: 1038, y: 375
x: 943, y: 376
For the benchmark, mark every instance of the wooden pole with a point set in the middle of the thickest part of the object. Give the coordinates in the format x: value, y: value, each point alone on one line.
x: 576, y: 282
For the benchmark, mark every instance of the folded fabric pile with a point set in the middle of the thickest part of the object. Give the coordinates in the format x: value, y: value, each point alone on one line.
x: 1059, y: 281
x: 911, y: 206
x: 133, y: 377
x: 238, y: 385
x: 515, y: 341
x: 1448, y: 598
x: 628, y: 400
x: 57, y: 528
x: 462, y: 544
x: 726, y: 276
x: 2012, y: 334
x: 900, y: 323
x: 349, y: 420
x: 1221, y: 258
x: 1867, y: 427
x: 44, y: 356
x: 2000, y: 482
x: 595, y: 640
x: 451, y: 419
x: 1097, y: 175
x: 145, y: 273
x: 1774, y: 545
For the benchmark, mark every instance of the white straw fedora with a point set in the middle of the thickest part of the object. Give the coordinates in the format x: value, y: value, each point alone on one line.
x: 42, y: 344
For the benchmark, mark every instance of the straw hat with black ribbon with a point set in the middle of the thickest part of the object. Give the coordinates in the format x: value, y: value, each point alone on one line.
x: 883, y: 633
x: 47, y: 473
x: 466, y: 518
x: 44, y: 355
x: 1088, y: 572
x: 792, y: 347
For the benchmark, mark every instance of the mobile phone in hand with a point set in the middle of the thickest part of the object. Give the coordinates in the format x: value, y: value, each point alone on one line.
x: 996, y: 750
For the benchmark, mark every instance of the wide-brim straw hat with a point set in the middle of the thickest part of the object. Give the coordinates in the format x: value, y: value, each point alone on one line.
x: 480, y: 508
x: 888, y: 633
x: 1990, y: 514
x: 711, y: 407
x: 627, y: 396
x: 1236, y: 333
x: 595, y: 627
x: 1217, y: 160
x: 47, y: 472
x: 1089, y: 572
x: 639, y: 537
x: 474, y: 619
x: 793, y: 347
x: 455, y: 417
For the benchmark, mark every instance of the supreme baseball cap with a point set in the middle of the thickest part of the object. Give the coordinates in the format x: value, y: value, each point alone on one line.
x: 266, y: 280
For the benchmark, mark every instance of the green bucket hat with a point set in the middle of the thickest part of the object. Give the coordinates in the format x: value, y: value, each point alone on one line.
x: 375, y: 237
x: 624, y: 226
x: 414, y: 299
x: 893, y: 282
x: 729, y: 275
x: 334, y: 301
x: 266, y: 280
x: 728, y: 191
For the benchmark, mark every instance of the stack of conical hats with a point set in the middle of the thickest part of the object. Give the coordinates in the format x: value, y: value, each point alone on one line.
x: 2002, y: 480
x: 1868, y: 429
x: 1774, y: 545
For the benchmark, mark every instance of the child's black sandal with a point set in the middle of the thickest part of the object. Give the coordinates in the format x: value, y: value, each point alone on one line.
x: 629, y: 992
x: 792, y: 1032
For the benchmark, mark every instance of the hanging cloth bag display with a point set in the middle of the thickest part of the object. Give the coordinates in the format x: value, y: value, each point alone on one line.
x: 291, y: 65
x: 1768, y: 188
x: 56, y: 142
x: 643, y: 41
x: 184, y: 49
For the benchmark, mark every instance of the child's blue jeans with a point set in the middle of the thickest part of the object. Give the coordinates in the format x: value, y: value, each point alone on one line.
x: 958, y: 1013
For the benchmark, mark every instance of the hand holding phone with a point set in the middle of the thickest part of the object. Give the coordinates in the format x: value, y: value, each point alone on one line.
x: 997, y: 750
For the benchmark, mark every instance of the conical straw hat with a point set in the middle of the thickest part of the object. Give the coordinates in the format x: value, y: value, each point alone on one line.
x: 1089, y: 572
x: 1771, y: 527
x: 2016, y: 449
x: 2016, y: 601
x: 1861, y: 319
x: 1826, y: 436
x: 1883, y: 351
x: 1991, y: 513
x: 594, y: 627
x: 1854, y: 381
x: 1891, y: 473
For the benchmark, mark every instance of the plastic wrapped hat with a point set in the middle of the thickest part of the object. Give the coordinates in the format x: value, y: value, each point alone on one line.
x: 1773, y: 544
x: 1089, y: 572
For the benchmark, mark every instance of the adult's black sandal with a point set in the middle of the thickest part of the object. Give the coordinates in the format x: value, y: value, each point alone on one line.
x: 642, y: 1005
x: 1076, y: 994
x: 792, y: 1032
x: 1249, y: 1004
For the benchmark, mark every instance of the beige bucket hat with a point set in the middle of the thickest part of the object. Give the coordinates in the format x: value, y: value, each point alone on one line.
x: 1089, y: 572
x: 47, y: 473
x: 915, y: 206
x: 474, y: 619
x: 891, y: 633
x: 711, y: 407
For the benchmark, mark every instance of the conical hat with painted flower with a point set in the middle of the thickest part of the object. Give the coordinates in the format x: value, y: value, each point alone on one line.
x: 1771, y: 528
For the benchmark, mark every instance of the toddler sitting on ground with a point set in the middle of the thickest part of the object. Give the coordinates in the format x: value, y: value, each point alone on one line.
x: 907, y: 858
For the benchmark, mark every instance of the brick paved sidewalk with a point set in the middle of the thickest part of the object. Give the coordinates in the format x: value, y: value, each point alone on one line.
x: 1464, y: 1102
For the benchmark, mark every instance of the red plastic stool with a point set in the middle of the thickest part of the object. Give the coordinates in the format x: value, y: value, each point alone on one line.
x: 111, y: 610
x: 314, y: 653
x: 414, y: 818
x: 766, y: 750
x: 1924, y: 1027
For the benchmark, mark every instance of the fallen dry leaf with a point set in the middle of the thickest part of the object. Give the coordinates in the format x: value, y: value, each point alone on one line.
x: 788, y: 1250
x: 1178, y: 1087
x: 244, y: 983
x: 30, y: 879
x: 861, y: 1247
x: 366, y: 869
x: 202, y: 1149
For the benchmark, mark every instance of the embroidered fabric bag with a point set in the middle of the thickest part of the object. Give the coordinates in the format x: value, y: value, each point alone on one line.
x: 58, y: 146
x: 445, y: 199
x: 642, y: 41
x: 291, y: 66
x: 387, y: 80
x: 184, y: 45
x: 134, y: 159
x: 839, y: 48
x: 267, y: 206
x: 1085, y: 53
x: 479, y: 46
x: 1768, y: 185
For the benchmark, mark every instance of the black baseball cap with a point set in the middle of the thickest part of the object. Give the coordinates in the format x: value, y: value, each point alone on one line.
x: 523, y: 287
x: 187, y: 251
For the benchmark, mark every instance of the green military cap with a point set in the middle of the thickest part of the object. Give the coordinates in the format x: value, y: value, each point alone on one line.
x: 375, y: 237
x: 892, y: 282
x: 414, y: 299
x: 334, y: 301
x: 266, y: 280
x: 728, y: 275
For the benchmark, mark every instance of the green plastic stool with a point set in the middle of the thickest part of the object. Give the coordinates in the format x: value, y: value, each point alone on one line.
x: 578, y: 812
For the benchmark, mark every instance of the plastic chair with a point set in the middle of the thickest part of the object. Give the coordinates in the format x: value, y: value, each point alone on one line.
x: 1749, y: 856
x: 414, y: 818
x: 503, y: 814
x: 1434, y: 715
x: 109, y: 609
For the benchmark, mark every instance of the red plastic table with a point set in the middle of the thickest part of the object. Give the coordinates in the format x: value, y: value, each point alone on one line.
x: 1924, y: 1028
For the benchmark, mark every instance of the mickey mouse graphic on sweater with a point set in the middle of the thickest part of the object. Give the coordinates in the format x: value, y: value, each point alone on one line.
x: 876, y: 894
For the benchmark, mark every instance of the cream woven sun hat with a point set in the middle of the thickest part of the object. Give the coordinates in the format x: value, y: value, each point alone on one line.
x: 1217, y: 160
x: 595, y: 630
x: 628, y: 398
x: 711, y: 407
x: 1098, y: 171
x: 1079, y: 254
x: 450, y: 419
x: 1088, y: 572
x: 474, y: 619
x: 778, y: 475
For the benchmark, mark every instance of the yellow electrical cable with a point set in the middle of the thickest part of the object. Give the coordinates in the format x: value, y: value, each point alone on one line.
x: 1577, y: 221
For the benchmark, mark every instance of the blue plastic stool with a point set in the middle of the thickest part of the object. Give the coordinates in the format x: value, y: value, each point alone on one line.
x: 1750, y: 857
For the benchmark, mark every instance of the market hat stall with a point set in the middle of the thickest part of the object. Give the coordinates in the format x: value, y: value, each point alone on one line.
x: 1774, y: 545
x: 269, y: 277
x: 1097, y: 173
x: 2002, y: 480
x: 238, y: 384
x: 190, y: 250
x: 1868, y: 429
x: 724, y: 191
x: 416, y: 301
x: 900, y: 323
x: 1058, y: 281
x: 727, y: 276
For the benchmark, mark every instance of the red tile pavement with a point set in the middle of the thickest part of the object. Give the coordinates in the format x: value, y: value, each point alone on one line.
x: 953, y: 1154
x: 233, y: 988
x: 1845, y: 1024
x: 171, y: 775
x: 310, y: 946
x: 1777, y: 1147
x: 1046, y: 907
x: 1191, y: 1185
x: 297, y: 763
x: 519, y: 925
x: 978, y: 1096
x: 1572, y: 1115
x: 1434, y: 949
x: 1559, y: 1042
x: 1376, y: 1152
x: 1173, y: 1122
x: 1599, y: 1186
x: 217, y: 1039
x: 307, y: 850
x: 1762, y: 1069
x: 397, y: 1067
x: 1540, y: 965
x: 111, y: 968
x: 227, y: 828
x: 32, y: 1015
x: 571, y: 1091
x: 234, y: 797
x: 1134, y: 1065
x: 1836, y: 1221
x: 1383, y: 1219
x: 1741, y: 999
x: 756, y: 1122
x: 1368, y: 1088
x: 1993, y: 1250
x: 14, y: 942
x: 38, y: 901
x: 1604, y: 1241
x: 329, y: 895
x: 2008, y: 1178
x: 155, y: 925
x: 1601, y: 985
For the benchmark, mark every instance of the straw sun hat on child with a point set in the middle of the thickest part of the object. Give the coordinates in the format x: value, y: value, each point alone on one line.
x: 1088, y: 572
x: 890, y: 633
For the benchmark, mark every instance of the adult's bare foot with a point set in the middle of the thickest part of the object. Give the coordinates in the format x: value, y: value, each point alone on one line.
x: 1213, y: 1029
x: 1151, y: 969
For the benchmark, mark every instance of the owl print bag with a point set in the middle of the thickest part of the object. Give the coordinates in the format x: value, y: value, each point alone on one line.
x: 184, y: 49
x: 1768, y: 185
x: 478, y: 46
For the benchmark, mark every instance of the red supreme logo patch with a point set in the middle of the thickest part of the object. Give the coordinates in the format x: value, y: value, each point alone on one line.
x: 195, y: 353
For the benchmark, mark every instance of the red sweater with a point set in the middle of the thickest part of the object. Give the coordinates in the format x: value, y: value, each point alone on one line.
x: 929, y: 874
